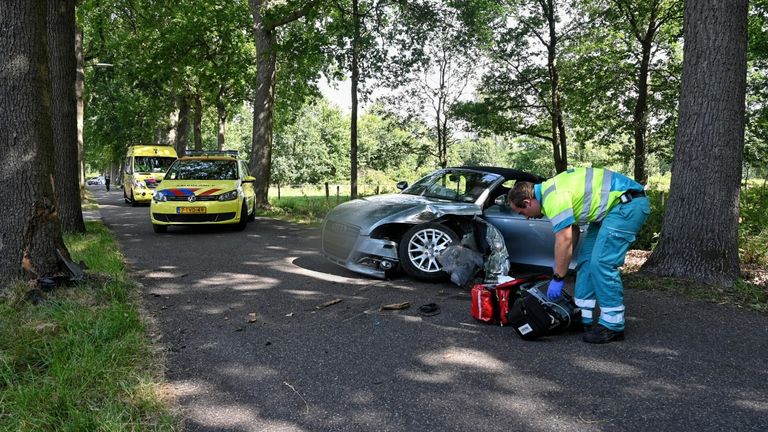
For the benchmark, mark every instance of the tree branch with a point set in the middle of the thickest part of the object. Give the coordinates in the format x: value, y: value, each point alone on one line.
x: 293, y: 16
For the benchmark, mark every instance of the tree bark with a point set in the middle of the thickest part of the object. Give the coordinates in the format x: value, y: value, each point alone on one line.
x: 182, y: 127
x: 79, y: 87
x: 198, y: 129
x: 699, y: 236
x: 63, y: 74
x: 353, y: 115
x: 559, y: 139
x: 30, y: 231
x: 263, y: 103
x: 264, y: 97
x: 221, y: 115
x: 640, y: 115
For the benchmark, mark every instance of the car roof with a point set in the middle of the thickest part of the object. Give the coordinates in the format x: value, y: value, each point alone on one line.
x: 507, y: 173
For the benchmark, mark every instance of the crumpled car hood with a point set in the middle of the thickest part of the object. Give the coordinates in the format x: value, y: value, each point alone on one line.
x: 370, y: 212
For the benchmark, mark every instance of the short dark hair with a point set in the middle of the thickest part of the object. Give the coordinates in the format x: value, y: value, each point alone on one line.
x: 521, y: 191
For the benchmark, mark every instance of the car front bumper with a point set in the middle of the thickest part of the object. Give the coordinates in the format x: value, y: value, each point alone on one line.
x: 359, y: 253
x: 143, y: 195
x: 195, y: 213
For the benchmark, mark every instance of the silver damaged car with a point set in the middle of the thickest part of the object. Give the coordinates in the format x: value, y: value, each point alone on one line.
x: 379, y: 234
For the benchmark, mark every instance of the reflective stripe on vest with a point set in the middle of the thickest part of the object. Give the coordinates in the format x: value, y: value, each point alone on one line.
x: 590, y: 194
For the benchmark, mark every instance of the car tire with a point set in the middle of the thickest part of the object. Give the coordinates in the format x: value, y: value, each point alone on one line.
x: 252, y: 216
x: 240, y: 225
x: 125, y: 197
x: 133, y: 200
x: 419, y: 247
x: 159, y: 229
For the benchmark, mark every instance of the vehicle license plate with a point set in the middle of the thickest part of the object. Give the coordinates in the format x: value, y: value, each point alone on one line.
x: 187, y: 210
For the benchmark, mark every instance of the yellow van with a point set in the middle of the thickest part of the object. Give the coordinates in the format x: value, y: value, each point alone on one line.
x: 145, y: 165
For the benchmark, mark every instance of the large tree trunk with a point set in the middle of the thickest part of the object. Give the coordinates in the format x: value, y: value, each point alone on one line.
x: 699, y: 236
x: 640, y: 115
x: 263, y: 103
x: 63, y: 70
x: 559, y: 139
x: 353, y: 114
x: 221, y: 115
x: 29, y: 229
x: 79, y: 87
x: 182, y: 127
x: 198, y: 129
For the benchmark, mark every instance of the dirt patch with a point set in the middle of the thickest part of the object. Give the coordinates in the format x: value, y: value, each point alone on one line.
x: 750, y: 273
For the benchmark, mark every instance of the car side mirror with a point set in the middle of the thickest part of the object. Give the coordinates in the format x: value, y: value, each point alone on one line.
x: 402, y: 185
x: 249, y: 179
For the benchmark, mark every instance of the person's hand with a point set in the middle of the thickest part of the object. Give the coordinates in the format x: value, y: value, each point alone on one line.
x: 555, y: 289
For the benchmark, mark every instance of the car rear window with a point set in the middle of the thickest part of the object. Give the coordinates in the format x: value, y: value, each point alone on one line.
x: 203, y: 170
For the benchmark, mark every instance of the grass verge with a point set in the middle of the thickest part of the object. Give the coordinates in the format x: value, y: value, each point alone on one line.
x: 81, y: 360
x: 744, y: 294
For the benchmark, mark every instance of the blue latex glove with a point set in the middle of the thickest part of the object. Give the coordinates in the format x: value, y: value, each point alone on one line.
x: 555, y: 289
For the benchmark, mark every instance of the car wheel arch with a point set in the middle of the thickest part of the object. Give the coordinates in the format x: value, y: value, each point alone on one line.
x: 418, y: 247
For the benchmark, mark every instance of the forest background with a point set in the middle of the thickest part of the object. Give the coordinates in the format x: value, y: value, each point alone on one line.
x: 540, y: 85
x: 671, y: 93
x: 535, y: 85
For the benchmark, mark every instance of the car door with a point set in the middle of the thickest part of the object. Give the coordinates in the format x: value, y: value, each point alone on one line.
x: 248, y: 189
x: 529, y: 241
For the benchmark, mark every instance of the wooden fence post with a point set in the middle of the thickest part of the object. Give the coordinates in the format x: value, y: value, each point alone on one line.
x: 327, y: 192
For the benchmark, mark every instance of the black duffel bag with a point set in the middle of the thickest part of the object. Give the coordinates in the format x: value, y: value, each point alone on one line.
x: 533, y: 315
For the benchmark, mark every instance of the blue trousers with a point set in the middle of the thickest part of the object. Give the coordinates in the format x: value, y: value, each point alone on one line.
x: 600, y: 255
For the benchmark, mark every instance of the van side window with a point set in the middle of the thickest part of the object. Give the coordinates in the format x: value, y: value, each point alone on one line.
x: 128, y: 165
x: 244, y: 169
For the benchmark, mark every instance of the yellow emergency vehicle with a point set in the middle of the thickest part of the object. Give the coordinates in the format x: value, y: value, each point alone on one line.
x: 206, y: 187
x: 145, y: 167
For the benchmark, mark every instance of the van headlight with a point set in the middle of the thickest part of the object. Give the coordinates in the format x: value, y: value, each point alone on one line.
x: 139, y: 184
x: 228, y: 196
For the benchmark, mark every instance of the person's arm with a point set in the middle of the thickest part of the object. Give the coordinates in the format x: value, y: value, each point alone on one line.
x: 563, y: 250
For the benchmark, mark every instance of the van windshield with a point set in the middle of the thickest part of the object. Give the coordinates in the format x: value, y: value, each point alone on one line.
x: 152, y: 164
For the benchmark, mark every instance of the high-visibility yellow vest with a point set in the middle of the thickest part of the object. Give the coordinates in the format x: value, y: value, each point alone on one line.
x: 582, y: 195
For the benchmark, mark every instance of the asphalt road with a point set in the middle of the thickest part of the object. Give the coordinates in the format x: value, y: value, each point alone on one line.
x: 685, y: 365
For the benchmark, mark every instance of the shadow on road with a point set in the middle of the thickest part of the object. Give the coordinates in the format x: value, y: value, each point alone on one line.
x: 256, y: 340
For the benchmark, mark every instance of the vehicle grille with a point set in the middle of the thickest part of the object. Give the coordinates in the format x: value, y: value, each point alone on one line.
x: 338, y: 239
x: 186, y: 198
x: 212, y: 217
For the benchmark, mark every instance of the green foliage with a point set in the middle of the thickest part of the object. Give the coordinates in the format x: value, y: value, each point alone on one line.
x: 756, y: 136
x: 158, y: 51
x: 313, y: 149
x: 80, y: 360
x: 753, y: 225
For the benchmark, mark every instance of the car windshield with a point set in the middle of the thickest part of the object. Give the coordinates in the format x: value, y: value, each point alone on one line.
x: 462, y: 186
x: 203, y: 170
x: 152, y: 164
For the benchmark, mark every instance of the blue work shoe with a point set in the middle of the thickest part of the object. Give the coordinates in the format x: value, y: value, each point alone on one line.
x: 601, y: 335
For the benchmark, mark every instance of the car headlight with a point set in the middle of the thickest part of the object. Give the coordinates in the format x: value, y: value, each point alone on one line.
x: 159, y: 197
x: 139, y: 184
x: 228, y: 196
